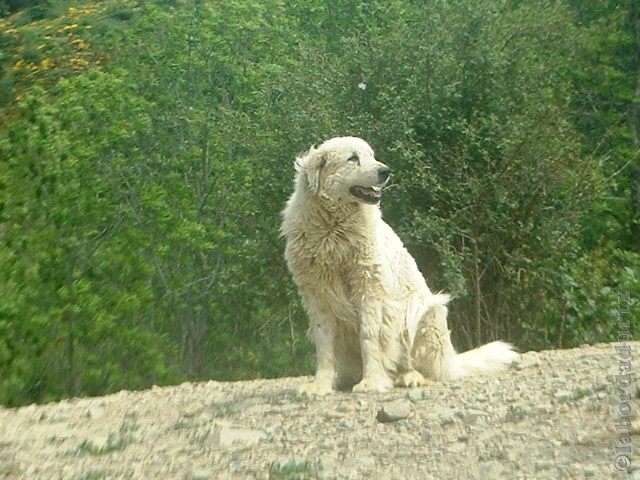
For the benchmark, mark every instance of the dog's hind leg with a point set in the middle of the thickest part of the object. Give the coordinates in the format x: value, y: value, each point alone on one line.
x: 435, y: 357
x: 432, y: 351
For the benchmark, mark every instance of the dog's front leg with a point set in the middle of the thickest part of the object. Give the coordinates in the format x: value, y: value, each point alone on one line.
x: 322, y: 331
x: 374, y: 375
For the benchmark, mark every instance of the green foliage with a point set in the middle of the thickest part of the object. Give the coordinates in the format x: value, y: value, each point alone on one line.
x: 74, y: 286
x: 141, y: 181
x: 607, y: 114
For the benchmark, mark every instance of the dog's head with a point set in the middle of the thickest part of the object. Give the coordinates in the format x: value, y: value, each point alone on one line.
x: 343, y: 169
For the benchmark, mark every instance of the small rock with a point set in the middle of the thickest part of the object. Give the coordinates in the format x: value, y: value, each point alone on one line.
x: 542, y: 410
x: 490, y: 469
x: 327, y: 445
x: 562, y: 395
x: 344, y: 408
x: 332, y: 415
x: 540, y: 465
x: 225, y: 435
x: 394, y: 411
x: 473, y: 415
x: 446, y: 420
x: 583, y: 438
x: 96, y: 413
x: 192, y: 410
x: 415, y: 395
x: 198, y: 475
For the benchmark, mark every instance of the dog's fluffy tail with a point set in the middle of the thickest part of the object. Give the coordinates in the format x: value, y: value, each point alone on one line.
x: 446, y: 364
x: 490, y: 358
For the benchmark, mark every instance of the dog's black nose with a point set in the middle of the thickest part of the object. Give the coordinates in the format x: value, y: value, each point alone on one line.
x: 383, y: 174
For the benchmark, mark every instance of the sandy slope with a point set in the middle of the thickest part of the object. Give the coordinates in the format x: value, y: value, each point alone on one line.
x: 552, y: 415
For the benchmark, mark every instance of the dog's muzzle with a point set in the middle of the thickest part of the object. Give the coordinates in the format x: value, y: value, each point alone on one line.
x: 372, y: 194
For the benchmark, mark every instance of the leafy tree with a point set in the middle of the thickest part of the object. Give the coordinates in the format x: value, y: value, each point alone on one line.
x: 607, y: 113
x: 75, y: 289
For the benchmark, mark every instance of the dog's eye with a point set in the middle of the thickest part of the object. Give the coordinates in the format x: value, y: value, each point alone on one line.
x: 354, y: 158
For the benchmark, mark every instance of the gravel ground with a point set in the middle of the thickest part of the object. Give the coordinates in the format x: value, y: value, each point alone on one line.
x: 553, y: 414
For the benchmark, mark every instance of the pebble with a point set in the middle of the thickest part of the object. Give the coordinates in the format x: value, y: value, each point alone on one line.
x: 562, y: 395
x: 472, y: 416
x: 226, y: 436
x: 333, y: 415
x: 446, y: 420
x: 326, y: 445
x: 414, y: 395
x: 192, y: 410
x: 393, y: 411
x: 345, y: 408
x: 199, y: 475
x: 95, y: 413
x: 542, y: 465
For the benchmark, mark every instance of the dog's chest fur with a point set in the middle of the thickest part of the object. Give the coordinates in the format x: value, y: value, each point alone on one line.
x: 334, y: 260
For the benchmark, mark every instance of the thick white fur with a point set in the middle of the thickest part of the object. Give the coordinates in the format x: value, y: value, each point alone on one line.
x: 373, y: 320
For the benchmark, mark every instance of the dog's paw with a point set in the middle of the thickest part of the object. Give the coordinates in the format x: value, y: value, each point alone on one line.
x: 376, y: 384
x: 411, y: 379
x: 316, y: 389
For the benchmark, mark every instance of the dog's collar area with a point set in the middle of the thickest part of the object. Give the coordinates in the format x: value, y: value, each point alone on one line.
x: 368, y: 194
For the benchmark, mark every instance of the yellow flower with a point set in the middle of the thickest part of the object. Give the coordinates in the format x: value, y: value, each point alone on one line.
x: 18, y: 65
x: 79, y: 63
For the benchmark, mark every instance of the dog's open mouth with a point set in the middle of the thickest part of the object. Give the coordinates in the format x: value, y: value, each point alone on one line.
x: 368, y: 194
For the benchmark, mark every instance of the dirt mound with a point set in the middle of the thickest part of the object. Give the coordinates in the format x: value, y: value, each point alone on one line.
x: 554, y: 414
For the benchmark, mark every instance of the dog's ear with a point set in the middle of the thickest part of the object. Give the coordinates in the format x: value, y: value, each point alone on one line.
x: 313, y: 169
x: 310, y: 166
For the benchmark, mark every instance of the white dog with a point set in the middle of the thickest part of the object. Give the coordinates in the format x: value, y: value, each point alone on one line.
x: 373, y: 320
